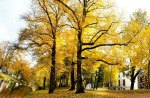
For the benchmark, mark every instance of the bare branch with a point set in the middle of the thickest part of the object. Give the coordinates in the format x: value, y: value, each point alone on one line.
x: 68, y: 8
x: 114, y: 44
x: 107, y: 62
x: 88, y: 25
x: 46, y: 11
x: 69, y: 26
x: 103, y: 32
x: 80, y: 2
x: 137, y: 73
x: 85, y: 58
x: 46, y: 34
x: 34, y: 43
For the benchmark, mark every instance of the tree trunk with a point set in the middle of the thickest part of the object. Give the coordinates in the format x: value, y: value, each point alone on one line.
x: 80, y: 88
x: 60, y: 83
x: 52, y: 85
x: 132, y: 78
x: 149, y: 74
x: 44, y: 82
x: 96, y: 80
x: 92, y: 86
x: 132, y: 83
x: 72, y: 78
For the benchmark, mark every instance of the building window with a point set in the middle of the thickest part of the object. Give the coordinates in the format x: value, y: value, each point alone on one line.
x: 123, y: 82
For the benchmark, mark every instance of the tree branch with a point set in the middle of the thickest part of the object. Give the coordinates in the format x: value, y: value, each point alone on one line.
x: 88, y: 25
x: 46, y: 34
x: 107, y: 62
x: 37, y: 44
x: 137, y: 73
x: 102, y: 61
x: 104, y: 32
x: 46, y: 11
x: 68, y: 8
x: 114, y: 44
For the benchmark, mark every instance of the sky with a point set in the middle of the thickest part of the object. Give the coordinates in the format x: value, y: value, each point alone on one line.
x: 11, y: 11
x: 10, y: 18
x: 130, y: 6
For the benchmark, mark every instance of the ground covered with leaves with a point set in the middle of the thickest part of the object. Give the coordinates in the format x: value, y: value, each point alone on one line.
x: 100, y: 93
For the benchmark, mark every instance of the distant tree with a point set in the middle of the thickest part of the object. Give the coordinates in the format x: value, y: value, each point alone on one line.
x: 138, y: 50
x: 6, y: 56
x: 69, y: 62
x: 100, y: 76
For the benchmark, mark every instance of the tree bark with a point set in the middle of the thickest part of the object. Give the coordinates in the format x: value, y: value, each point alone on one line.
x: 94, y: 83
x: 96, y: 80
x: 60, y: 83
x: 52, y: 85
x: 72, y: 78
x: 132, y: 83
x: 80, y: 88
x: 44, y: 83
x: 149, y: 74
x: 92, y: 86
x: 133, y: 77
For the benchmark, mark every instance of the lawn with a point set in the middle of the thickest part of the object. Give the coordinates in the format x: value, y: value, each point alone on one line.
x: 100, y: 93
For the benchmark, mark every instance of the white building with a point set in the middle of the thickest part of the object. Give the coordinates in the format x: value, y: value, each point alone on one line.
x: 125, y: 82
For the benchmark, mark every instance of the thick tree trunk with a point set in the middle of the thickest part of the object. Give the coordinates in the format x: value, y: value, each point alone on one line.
x: 44, y: 83
x: 132, y: 83
x: 72, y: 78
x: 52, y: 85
x: 80, y: 88
x: 132, y: 78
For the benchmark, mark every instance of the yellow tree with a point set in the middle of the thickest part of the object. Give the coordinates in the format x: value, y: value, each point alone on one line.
x: 92, y: 20
x: 7, y: 54
x: 9, y: 64
x: 43, y: 26
x: 69, y: 50
x: 138, y: 50
x: 41, y: 75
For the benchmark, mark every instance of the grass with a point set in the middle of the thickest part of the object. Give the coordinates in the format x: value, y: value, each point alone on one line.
x: 63, y: 94
x: 23, y: 92
x: 100, y: 93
